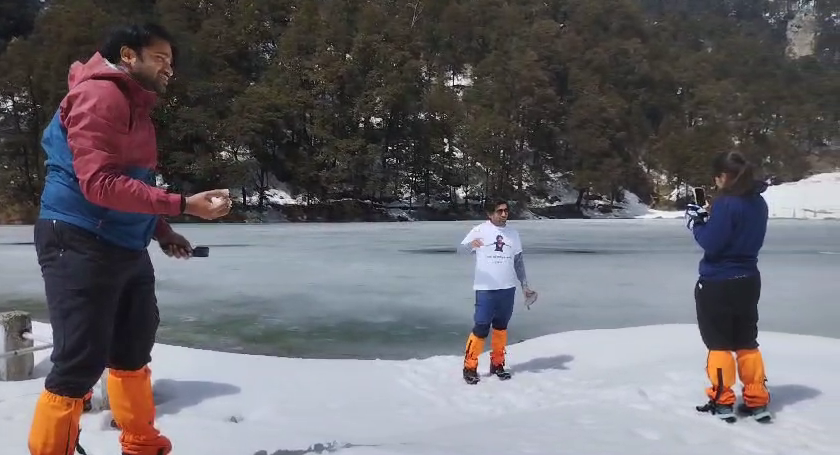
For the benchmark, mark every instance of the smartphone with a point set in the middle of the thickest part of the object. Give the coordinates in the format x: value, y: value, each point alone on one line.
x: 197, y: 251
x: 700, y: 196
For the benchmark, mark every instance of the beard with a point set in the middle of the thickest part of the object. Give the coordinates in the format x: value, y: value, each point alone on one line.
x: 149, y: 82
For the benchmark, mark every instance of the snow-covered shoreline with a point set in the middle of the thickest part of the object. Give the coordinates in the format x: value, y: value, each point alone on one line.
x: 816, y: 197
x: 583, y: 392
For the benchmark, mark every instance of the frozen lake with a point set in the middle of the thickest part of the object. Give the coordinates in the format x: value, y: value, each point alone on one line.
x: 397, y: 290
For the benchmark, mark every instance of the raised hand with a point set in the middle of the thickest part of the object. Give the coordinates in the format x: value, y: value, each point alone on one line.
x: 209, y: 204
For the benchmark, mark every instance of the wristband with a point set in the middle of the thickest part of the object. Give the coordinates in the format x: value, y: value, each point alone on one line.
x: 183, y: 204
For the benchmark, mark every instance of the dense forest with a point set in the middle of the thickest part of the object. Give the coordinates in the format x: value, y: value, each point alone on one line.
x: 445, y: 101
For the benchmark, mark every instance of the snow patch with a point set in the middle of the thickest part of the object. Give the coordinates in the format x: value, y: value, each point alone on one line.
x: 630, y: 207
x: 558, y: 191
x: 802, y: 31
x: 279, y: 194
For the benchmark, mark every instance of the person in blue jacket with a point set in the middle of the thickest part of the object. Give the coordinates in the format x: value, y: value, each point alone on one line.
x: 731, y: 233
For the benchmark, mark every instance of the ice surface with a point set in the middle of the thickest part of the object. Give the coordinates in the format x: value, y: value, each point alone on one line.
x: 397, y: 290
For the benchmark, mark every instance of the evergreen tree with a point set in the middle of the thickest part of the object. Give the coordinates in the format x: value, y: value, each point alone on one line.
x: 428, y: 99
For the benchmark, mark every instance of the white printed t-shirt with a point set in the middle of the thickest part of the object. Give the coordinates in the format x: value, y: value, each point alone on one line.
x: 494, y: 260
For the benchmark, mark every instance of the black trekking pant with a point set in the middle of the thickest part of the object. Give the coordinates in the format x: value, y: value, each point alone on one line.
x: 727, y: 312
x: 101, y: 302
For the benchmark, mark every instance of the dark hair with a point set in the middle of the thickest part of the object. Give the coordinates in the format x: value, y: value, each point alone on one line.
x: 493, y: 204
x: 136, y: 37
x: 740, y: 173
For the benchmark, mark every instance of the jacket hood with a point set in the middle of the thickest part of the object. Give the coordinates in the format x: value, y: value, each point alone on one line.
x: 97, y: 67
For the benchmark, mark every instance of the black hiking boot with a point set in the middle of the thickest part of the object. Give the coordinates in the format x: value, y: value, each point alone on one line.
x: 721, y: 411
x: 758, y: 413
x: 471, y: 376
x: 500, y: 372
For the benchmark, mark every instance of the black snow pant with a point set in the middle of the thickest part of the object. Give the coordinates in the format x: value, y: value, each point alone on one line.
x: 727, y: 312
x: 102, y: 306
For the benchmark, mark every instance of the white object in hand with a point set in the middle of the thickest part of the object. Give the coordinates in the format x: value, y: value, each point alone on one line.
x: 217, y: 201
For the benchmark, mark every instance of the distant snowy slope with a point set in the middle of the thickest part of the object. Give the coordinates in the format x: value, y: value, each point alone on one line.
x: 590, y: 392
x: 816, y: 197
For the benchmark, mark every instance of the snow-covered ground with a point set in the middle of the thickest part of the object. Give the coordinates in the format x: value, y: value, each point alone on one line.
x: 816, y: 197
x: 589, y: 392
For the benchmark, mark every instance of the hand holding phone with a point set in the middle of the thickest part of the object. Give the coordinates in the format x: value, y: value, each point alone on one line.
x: 700, y: 196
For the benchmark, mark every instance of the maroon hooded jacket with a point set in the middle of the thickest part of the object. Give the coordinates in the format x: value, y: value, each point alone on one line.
x: 102, y: 157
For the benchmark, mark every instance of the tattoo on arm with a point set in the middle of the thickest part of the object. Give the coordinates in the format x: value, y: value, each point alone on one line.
x: 519, y: 267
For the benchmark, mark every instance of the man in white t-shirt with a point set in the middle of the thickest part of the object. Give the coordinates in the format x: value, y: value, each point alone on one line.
x: 499, y: 268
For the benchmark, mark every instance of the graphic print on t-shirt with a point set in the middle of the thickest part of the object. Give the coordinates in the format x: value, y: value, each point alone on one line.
x: 500, y: 243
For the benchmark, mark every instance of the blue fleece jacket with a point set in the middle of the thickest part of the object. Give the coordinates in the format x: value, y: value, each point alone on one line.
x: 732, y: 236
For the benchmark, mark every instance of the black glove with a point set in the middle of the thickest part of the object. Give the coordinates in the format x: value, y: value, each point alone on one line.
x: 695, y: 215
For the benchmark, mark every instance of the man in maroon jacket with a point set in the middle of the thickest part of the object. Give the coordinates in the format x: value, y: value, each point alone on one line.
x: 100, y: 210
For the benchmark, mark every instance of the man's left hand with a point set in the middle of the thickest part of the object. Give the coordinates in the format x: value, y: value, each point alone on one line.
x: 530, y: 296
x: 176, y: 245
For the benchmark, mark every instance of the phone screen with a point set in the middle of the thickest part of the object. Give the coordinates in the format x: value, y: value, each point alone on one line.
x: 699, y: 196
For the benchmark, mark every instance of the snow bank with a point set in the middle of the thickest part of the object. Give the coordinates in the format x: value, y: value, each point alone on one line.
x: 630, y: 207
x: 278, y: 195
x: 560, y: 192
x: 590, y: 392
x: 816, y: 197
